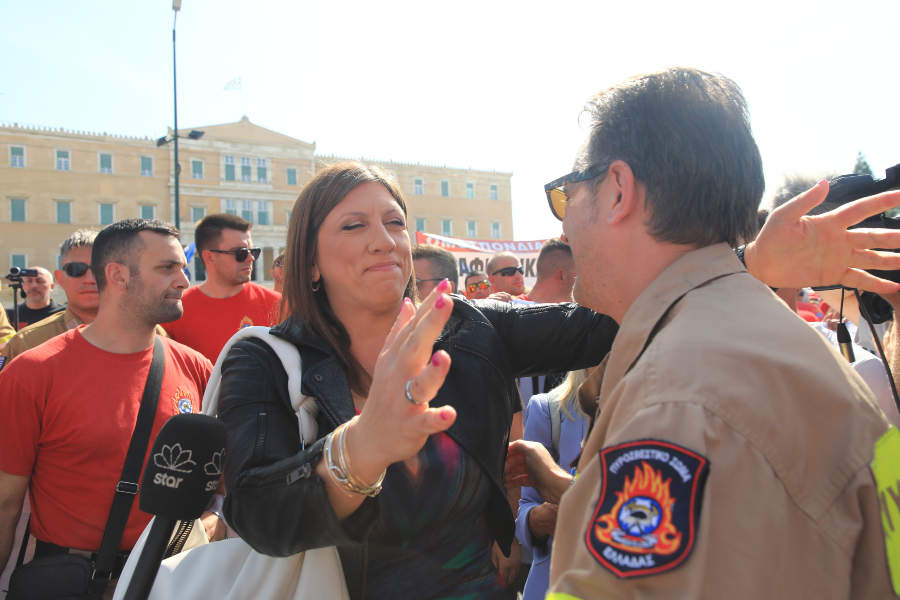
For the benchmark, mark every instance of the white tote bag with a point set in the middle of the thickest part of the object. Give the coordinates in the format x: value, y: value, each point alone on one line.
x: 231, y: 569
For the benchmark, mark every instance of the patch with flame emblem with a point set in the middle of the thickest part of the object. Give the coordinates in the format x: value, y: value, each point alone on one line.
x: 646, y: 518
x: 184, y: 400
x: 245, y: 322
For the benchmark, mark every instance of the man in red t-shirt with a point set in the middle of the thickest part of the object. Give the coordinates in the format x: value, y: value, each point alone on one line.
x: 227, y: 301
x: 68, y: 407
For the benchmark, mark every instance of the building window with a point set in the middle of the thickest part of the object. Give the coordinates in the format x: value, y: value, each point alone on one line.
x: 230, y: 207
x: 418, y: 187
x: 495, y: 231
x: 63, y: 212
x: 247, y: 209
x: 146, y: 166
x: 494, y: 191
x: 470, y: 189
x: 471, y: 229
x: 107, y: 214
x: 17, y: 211
x: 245, y: 169
x: 262, y: 213
x: 62, y: 160
x: 197, y: 213
x: 261, y: 170
x: 148, y: 211
x: 17, y: 156
x: 445, y: 188
x: 199, y: 268
x: 229, y: 169
x: 420, y: 224
x: 18, y: 260
x: 292, y: 176
x: 106, y: 163
x: 446, y: 227
x: 196, y: 169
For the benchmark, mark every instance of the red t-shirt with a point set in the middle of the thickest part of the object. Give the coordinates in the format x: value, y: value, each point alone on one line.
x: 208, y: 323
x: 67, y: 413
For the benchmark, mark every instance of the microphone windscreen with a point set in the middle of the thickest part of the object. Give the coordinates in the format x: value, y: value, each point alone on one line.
x: 184, y: 467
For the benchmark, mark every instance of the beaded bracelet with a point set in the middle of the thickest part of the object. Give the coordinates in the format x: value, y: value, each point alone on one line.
x: 342, y: 472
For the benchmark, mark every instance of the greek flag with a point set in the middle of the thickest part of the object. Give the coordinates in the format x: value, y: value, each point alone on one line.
x: 234, y: 84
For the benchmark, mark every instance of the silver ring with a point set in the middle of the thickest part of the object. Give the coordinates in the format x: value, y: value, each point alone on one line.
x: 409, y: 396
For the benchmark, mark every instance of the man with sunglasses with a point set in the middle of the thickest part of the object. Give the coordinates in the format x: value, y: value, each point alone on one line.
x: 478, y: 286
x: 82, y: 300
x: 736, y: 458
x: 432, y: 265
x: 506, y: 274
x: 227, y: 301
x: 38, y: 305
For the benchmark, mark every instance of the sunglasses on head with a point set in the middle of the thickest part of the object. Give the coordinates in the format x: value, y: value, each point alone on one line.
x: 241, y: 253
x: 75, y: 269
x: 509, y: 271
x: 556, y: 195
x: 481, y: 285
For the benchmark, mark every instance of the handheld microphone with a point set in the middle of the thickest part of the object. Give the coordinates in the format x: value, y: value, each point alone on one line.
x: 845, y: 342
x: 179, y: 480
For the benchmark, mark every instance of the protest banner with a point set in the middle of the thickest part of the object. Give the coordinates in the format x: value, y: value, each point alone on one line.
x: 473, y: 254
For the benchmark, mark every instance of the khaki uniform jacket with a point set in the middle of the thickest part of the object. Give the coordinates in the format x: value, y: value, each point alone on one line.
x: 709, y: 361
x: 38, y: 333
x: 6, y: 329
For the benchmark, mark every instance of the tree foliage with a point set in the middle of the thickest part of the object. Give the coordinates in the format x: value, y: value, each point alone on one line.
x: 862, y: 167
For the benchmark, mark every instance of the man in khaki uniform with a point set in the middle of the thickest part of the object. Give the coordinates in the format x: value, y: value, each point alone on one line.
x: 734, y: 453
x: 6, y: 330
x: 83, y: 302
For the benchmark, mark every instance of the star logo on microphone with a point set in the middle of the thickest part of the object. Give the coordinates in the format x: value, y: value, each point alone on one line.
x: 214, y: 467
x: 173, y: 458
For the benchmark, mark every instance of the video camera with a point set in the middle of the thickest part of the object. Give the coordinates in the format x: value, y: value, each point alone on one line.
x: 16, y: 274
x: 847, y: 188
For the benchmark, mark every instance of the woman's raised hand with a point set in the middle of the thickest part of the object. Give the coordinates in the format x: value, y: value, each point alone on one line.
x: 392, y: 427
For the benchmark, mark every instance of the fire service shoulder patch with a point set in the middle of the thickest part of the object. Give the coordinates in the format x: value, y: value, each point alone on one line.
x: 646, y: 518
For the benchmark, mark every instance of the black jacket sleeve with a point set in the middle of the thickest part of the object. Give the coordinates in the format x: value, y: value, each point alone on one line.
x: 275, y: 501
x: 550, y: 338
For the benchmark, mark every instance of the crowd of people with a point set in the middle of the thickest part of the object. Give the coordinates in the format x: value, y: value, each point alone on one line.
x: 648, y: 420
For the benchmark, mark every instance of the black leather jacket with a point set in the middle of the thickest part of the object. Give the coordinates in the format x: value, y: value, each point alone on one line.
x: 275, y: 500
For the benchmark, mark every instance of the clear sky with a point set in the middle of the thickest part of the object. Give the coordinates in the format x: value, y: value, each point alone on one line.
x: 487, y: 84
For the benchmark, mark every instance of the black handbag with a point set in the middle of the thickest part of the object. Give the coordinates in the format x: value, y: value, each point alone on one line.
x: 74, y: 577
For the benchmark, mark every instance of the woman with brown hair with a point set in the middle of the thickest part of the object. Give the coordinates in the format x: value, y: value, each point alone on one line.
x: 414, y: 399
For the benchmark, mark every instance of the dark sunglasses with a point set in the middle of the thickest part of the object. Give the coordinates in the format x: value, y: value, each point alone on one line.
x: 75, y: 269
x: 481, y: 285
x: 418, y: 281
x: 241, y: 253
x: 509, y: 271
x: 556, y: 196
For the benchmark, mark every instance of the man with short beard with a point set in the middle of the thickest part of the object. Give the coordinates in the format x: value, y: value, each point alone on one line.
x: 227, y: 301
x: 38, y: 305
x: 83, y: 301
x: 68, y: 408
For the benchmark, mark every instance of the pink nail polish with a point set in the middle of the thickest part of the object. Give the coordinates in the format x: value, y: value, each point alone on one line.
x: 440, y: 302
x: 823, y: 181
x: 443, y: 286
x: 407, y: 301
x: 434, y: 359
x: 445, y: 414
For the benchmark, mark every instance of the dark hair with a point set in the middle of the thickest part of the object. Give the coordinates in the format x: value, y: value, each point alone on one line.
x: 120, y: 243
x: 473, y: 274
x: 447, y: 266
x: 554, y: 255
x: 309, y: 308
x: 686, y: 135
x: 209, y: 229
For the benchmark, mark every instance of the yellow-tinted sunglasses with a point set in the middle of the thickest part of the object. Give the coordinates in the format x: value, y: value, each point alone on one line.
x: 557, y: 198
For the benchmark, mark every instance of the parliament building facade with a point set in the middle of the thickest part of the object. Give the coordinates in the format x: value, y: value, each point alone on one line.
x: 54, y: 181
